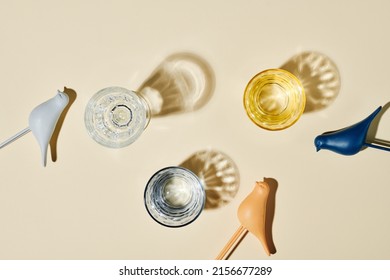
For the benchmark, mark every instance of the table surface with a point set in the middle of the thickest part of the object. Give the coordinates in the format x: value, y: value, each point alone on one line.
x: 88, y: 204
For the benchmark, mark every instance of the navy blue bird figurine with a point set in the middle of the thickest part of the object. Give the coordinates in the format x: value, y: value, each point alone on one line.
x: 349, y: 140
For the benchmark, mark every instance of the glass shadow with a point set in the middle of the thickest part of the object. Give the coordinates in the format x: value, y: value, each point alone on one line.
x: 183, y: 82
x: 319, y: 76
x: 218, y: 173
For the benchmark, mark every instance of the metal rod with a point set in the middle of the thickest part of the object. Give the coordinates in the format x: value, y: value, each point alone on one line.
x: 232, y: 243
x: 377, y: 147
x: 15, y: 137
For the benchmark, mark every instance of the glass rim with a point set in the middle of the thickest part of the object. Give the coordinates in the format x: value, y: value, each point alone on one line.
x: 199, y: 184
x: 300, y: 108
x: 89, y: 116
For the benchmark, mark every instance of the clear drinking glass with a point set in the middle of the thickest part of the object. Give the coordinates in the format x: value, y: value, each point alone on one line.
x: 174, y: 196
x: 115, y: 117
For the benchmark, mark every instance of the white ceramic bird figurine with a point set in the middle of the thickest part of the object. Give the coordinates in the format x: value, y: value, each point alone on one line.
x: 42, y: 122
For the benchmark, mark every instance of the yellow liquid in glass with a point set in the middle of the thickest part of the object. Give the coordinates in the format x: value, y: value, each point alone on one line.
x: 274, y: 99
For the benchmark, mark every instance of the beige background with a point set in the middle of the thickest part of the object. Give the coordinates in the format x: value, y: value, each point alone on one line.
x: 89, y: 204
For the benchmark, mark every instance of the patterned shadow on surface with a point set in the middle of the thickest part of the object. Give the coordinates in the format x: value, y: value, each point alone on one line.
x: 218, y: 173
x: 183, y: 82
x: 319, y: 76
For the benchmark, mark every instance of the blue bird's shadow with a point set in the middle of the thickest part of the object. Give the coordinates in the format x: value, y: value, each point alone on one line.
x: 372, y: 131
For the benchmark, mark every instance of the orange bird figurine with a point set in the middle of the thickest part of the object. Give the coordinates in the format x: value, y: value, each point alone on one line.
x: 252, y: 216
